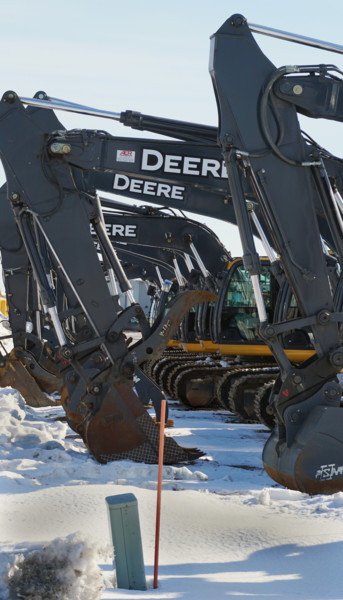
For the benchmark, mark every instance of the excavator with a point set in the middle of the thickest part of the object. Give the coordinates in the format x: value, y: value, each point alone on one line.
x: 186, y: 240
x: 215, y: 332
x: 190, y: 377
x: 191, y: 370
x: 261, y: 141
x: 186, y: 377
x: 295, y: 186
x: 94, y: 361
x: 211, y: 165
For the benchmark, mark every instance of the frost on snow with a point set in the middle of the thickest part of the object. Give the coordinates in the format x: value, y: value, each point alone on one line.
x: 62, y: 570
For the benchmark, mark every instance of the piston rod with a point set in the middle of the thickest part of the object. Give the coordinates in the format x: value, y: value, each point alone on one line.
x: 294, y: 37
x: 56, y: 104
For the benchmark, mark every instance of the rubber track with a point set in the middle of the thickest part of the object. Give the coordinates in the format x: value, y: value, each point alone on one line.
x: 194, y: 371
x: 256, y: 378
x: 160, y: 366
x: 262, y: 402
x: 196, y: 362
x: 161, y: 372
x: 230, y: 375
x: 150, y: 365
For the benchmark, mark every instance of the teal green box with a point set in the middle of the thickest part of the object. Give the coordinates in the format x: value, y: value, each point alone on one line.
x: 127, y: 541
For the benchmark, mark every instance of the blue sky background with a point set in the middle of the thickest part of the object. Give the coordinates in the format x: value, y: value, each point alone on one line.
x: 150, y: 56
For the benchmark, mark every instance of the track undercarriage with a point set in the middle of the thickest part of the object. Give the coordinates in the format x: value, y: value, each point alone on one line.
x: 213, y: 381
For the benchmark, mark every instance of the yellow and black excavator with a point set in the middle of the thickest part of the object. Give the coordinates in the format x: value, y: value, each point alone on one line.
x: 218, y: 358
x: 195, y: 368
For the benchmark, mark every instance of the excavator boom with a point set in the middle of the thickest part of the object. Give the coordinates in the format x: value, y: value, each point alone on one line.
x: 260, y: 136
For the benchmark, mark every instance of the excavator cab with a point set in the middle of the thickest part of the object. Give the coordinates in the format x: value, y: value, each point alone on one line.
x: 236, y: 320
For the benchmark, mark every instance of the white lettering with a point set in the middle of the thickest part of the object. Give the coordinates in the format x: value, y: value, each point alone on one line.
x: 123, y: 230
x: 149, y: 188
x: 190, y: 165
x: 146, y: 154
x: 152, y: 160
x: 121, y: 182
x: 177, y: 192
x: 328, y: 472
x: 136, y: 186
x: 130, y: 230
x: 163, y: 189
x: 171, y: 164
x: 210, y: 165
x: 117, y: 229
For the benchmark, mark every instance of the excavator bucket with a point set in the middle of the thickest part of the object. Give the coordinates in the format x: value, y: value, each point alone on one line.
x: 123, y: 418
x: 14, y: 374
x: 313, y: 462
x: 116, y: 426
x: 110, y: 417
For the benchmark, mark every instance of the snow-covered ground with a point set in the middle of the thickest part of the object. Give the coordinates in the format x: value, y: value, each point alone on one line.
x: 226, y: 529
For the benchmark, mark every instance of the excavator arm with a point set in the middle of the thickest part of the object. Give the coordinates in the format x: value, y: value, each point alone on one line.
x: 261, y: 141
x: 187, y: 240
x: 53, y: 210
x: 188, y: 175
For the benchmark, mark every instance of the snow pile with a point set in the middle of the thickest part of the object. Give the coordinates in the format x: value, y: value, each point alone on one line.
x: 62, y: 570
x: 12, y: 405
x: 264, y: 498
x: 227, y: 529
x: 37, y: 448
x: 19, y: 427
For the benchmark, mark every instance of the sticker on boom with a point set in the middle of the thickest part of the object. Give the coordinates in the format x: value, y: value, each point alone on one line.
x: 126, y: 156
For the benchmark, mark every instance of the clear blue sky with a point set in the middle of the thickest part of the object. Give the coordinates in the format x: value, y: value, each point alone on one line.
x: 150, y: 56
